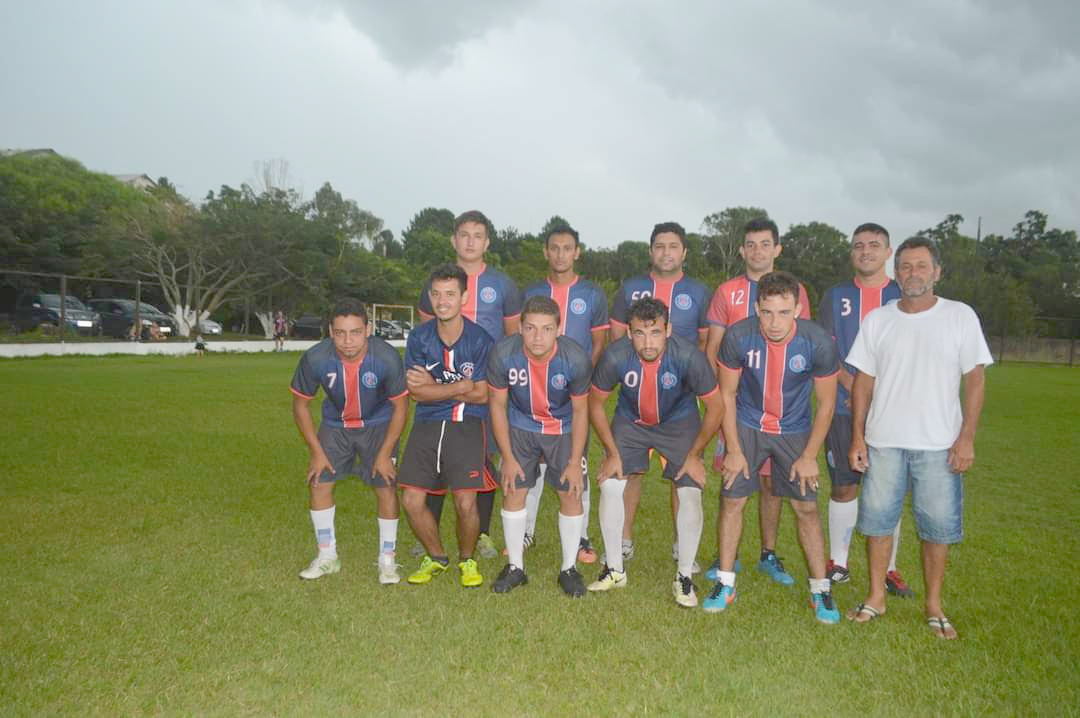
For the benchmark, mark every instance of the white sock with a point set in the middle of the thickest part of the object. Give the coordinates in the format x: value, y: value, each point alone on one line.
x: 612, y: 517
x: 585, y: 509
x: 895, y: 545
x: 841, y: 525
x: 688, y: 523
x: 820, y: 585
x: 532, y: 503
x: 323, y: 521
x: 514, y: 534
x: 387, y: 535
x: 569, y: 537
x: 727, y: 578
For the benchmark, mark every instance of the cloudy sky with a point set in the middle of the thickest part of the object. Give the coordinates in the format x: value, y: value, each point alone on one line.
x: 615, y: 115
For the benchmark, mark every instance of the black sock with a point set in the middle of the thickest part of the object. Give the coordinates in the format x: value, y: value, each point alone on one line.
x: 766, y: 552
x: 444, y: 560
x: 485, y: 504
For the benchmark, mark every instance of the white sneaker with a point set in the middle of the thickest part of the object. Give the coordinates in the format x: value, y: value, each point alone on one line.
x: 388, y: 569
x: 608, y: 580
x: 696, y: 568
x: 683, y: 588
x: 321, y: 567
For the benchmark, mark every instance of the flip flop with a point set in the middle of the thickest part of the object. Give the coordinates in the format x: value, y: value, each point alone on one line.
x: 864, y: 609
x: 941, y: 626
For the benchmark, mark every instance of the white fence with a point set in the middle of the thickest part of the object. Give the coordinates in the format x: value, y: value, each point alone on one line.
x: 171, y: 348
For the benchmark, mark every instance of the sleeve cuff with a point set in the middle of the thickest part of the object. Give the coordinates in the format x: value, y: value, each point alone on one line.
x: 302, y: 395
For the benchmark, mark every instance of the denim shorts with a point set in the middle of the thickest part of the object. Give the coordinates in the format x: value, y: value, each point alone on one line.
x: 937, y: 494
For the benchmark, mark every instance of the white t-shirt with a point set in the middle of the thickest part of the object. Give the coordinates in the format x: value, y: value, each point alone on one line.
x: 917, y: 361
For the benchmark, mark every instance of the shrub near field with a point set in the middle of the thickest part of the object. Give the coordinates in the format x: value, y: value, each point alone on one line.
x: 154, y: 518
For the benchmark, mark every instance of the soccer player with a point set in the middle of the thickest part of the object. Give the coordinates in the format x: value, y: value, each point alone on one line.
x: 446, y: 365
x: 771, y: 363
x: 363, y: 413
x: 584, y: 311
x: 494, y: 303
x: 281, y: 327
x: 687, y: 301
x: 908, y: 425
x: 842, y: 310
x: 539, y: 413
x: 661, y: 379
x: 733, y: 301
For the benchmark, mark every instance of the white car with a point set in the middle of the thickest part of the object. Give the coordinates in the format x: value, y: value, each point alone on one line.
x: 209, y: 326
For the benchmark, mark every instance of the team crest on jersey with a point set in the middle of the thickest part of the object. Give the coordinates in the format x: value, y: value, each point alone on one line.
x: 578, y: 306
x: 487, y: 295
x: 797, y: 363
x: 668, y: 380
x: 369, y: 379
x: 467, y: 369
x: 558, y: 381
x: 683, y: 301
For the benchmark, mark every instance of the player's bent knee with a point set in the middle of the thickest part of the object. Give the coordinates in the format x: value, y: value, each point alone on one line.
x: 804, y: 509
x: 733, y: 505
x: 465, y: 501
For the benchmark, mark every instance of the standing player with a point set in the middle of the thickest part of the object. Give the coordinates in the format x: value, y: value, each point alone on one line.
x: 733, y: 301
x: 539, y: 413
x: 494, y: 303
x: 908, y: 426
x: 687, y: 302
x: 584, y: 311
x: 446, y: 363
x: 661, y: 379
x: 281, y: 327
x: 363, y: 413
x: 770, y: 364
x: 842, y: 310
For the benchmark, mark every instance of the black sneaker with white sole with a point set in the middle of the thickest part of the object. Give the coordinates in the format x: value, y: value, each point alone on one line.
x: 509, y: 578
x: 571, y: 582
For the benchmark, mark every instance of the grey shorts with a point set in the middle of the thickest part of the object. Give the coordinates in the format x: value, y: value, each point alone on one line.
x: 783, y: 449
x: 837, y: 444
x: 343, y: 446
x: 670, y: 439
x: 532, y: 449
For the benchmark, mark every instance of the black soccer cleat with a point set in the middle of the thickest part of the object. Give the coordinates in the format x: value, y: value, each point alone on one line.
x: 572, y: 583
x: 509, y: 578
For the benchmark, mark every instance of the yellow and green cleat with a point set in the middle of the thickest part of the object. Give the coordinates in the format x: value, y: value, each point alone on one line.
x: 429, y: 568
x: 470, y: 573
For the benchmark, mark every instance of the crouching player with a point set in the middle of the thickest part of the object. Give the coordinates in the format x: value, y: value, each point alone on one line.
x: 770, y: 362
x: 363, y: 414
x: 539, y: 385
x: 661, y: 379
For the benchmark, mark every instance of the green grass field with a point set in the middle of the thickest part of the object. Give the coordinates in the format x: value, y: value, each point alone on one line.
x: 154, y: 518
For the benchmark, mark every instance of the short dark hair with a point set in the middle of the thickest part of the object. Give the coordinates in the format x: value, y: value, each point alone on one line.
x: 914, y: 243
x: 539, y: 304
x: 449, y: 271
x: 562, y: 228
x: 473, y: 215
x: 349, y: 307
x: 647, y: 309
x: 762, y: 224
x: 872, y: 228
x: 778, y: 283
x: 666, y: 227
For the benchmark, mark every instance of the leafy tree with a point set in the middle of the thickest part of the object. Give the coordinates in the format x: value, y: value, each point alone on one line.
x: 818, y: 254
x: 722, y: 235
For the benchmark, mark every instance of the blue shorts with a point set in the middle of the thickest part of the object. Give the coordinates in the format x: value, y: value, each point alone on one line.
x: 937, y: 494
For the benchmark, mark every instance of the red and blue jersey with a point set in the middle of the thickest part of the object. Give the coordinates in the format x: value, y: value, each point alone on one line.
x: 540, y: 389
x: 358, y: 393
x: 466, y: 359
x: 686, y: 299
x: 492, y: 297
x: 777, y: 377
x: 664, y: 389
x: 582, y: 308
x: 736, y: 299
x: 842, y: 310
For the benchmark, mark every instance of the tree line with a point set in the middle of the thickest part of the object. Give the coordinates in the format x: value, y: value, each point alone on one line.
x: 264, y: 245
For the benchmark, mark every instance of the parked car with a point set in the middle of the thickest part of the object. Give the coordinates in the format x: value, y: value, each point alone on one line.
x: 117, y: 316
x: 33, y: 310
x: 209, y: 326
x: 308, y: 326
x: 388, y: 330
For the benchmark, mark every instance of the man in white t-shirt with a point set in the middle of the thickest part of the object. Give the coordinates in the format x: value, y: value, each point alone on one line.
x: 909, y: 426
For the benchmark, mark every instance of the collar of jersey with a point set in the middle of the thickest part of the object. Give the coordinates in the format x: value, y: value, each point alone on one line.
x: 667, y: 281
x: 553, y: 284
x: 539, y: 362
x: 860, y: 285
x: 794, y: 331
x: 654, y: 362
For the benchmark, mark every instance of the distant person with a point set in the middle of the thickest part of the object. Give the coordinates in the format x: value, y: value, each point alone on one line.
x: 200, y: 345
x: 909, y: 426
x: 494, y: 302
x: 363, y: 414
x: 771, y: 364
x: 281, y: 328
x: 842, y: 310
x: 153, y: 333
x: 583, y: 309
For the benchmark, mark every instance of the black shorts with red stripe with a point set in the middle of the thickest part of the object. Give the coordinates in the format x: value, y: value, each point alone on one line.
x: 447, y: 455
